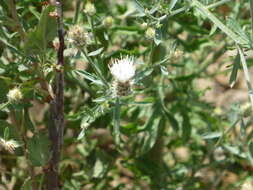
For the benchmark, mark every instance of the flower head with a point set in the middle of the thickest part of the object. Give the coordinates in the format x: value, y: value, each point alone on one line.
x: 123, y: 70
x: 90, y: 9
x: 56, y: 43
x: 150, y: 33
x: 246, y: 109
x: 108, y: 21
x: 14, y: 95
x: 9, y: 145
x: 77, y: 35
x: 247, y: 186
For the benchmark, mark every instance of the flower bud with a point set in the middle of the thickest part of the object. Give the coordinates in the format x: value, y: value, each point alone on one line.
x: 90, y: 9
x: 14, y: 95
x: 77, y: 36
x: 56, y: 43
x: 150, y: 33
x: 246, y: 109
x: 108, y: 21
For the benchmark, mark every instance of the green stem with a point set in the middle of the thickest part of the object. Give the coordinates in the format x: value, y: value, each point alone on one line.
x: 95, y: 66
x: 116, y: 130
x: 217, y: 4
x: 77, y: 11
x: 151, y: 53
x: 246, y: 74
x: 92, y: 29
x: 251, y: 13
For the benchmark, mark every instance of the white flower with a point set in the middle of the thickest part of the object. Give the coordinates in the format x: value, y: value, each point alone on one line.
x: 14, y: 95
x: 56, y: 43
x: 9, y: 145
x: 123, y: 70
x: 247, y: 186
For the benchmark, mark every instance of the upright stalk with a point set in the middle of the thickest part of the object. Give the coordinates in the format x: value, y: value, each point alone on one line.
x: 56, y: 120
x: 251, y: 14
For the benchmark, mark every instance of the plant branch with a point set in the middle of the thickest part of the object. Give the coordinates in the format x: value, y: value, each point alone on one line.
x: 246, y: 74
x: 56, y: 120
x: 251, y: 14
x: 204, y: 11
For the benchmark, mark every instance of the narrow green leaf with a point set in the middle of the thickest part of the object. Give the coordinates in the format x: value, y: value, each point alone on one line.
x: 235, y: 150
x: 90, y: 77
x: 235, y: 26
x: 212, y: 135
x: 172, y: 120
x: 141, y: 75
x: 205, y: 12
x: 213, y: 30
x: 101, y: 165
x: 6, y: 133
x: 246, y: 73
x: 150, y: 134
x: 251, y: 149
x: 81, y: 134
x: 4, y: 105
x: 186, y: 127
x: 158, y: 37
x: 234, y: 72
x: 27, y: 185
x: 172, y: 4
x: 139, y: 7
x: 251, y: 14
x: 96, y: 52
x: 164, y: 70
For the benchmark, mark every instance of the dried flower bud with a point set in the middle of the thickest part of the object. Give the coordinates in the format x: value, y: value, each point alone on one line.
x: 108, y: 21
x: 246, y: 109
x: 56, y: 43
x: 219, y: 154
x: 77, y: 36
x: 90, y: 9
x: 150, y: 33
x: 123, y: 70
x: 14, y: 95
x: 9, y: 145
x: 177, y: 54
x: 121, y: 89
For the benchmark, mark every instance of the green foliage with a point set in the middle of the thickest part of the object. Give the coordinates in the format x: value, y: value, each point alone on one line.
x: 169, y: 130
x: 38, y: 147
x: 38, y: 39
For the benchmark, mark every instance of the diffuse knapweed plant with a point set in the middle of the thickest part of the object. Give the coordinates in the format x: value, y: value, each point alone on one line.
x: 134, y: 114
